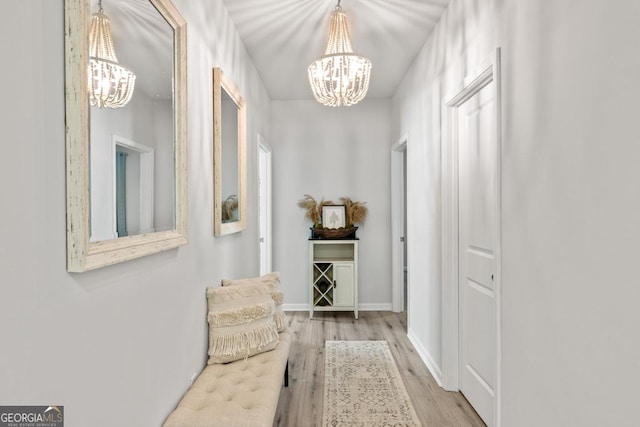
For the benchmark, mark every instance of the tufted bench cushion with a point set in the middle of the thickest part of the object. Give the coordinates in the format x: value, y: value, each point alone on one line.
x: 243, y: 393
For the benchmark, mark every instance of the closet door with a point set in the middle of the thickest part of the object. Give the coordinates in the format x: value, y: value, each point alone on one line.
x: 476, y: 263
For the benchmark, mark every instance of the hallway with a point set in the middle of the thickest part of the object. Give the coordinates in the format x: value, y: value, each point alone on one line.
x: 301, y: 403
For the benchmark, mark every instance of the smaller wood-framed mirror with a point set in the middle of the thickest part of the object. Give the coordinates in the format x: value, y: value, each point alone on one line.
x: 229, y: 156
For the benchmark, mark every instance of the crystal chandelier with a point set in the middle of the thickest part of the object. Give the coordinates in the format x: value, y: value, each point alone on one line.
x: 340, y: 77
x: 110, y: 84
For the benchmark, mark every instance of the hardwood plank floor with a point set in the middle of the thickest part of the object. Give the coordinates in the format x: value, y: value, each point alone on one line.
x: 300, y: 404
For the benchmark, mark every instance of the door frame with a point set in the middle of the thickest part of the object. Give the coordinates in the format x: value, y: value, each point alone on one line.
x: 146, y: 182
x: 489, y: 72
x: 265, y: 207
x: 398, y: 216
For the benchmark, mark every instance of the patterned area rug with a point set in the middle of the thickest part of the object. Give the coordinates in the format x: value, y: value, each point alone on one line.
x: 363, y: 388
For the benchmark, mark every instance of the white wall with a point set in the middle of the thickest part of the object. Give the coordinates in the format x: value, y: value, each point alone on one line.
x: 462, y: 40
x: 570, y: 199
x: 146, y: 121
x: 163, y: 214
x: 331, y: 153
x: 571, y: 207
x: 115, y: 346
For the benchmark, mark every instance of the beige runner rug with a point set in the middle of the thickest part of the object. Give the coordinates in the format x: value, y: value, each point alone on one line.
x: 363, y: 388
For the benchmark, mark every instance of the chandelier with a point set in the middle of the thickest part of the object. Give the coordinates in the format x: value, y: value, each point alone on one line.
x: 339, y: 77
x: 110, y: 84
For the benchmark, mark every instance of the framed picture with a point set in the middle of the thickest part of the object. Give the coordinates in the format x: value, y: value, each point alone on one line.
x: 333, y: 216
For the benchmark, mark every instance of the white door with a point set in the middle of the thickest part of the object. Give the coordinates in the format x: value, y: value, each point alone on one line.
x: 264, y: 178
x: 477, y: 248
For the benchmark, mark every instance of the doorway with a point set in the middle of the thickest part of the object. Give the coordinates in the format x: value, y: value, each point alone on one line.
x: 133, y: 184
x: 471, y: 171
x: 264, y: 201
x: 399, y: 268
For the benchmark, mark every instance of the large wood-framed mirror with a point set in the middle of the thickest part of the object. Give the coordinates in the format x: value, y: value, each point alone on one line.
x: 229, y: 156
x: 126, y: 164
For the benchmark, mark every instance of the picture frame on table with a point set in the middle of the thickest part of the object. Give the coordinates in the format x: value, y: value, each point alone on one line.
x: 333, y: 216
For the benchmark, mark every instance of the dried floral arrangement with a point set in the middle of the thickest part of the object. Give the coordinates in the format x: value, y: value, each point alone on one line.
x: 355, y: 212
x: 228, y: 207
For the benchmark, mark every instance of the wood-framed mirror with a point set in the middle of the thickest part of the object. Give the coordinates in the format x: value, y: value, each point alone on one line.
x: 126, y: 153
x: 229, y: 156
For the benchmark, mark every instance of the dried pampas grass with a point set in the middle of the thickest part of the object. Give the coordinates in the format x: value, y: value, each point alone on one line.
x: 355, y: 212
x: 228, y: 206
x: 313, y: 209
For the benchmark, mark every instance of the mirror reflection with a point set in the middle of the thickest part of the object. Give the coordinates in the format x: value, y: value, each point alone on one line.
x: 131, y: 143
x: 229, y: 156
x: 229, y: 137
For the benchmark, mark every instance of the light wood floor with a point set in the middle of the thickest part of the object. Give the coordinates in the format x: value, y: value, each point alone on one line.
x: 300, y: 404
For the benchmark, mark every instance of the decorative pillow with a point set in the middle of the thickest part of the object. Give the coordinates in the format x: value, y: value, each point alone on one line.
x: 269, y: 284
x: 241, y: 327
x: 267, y: 279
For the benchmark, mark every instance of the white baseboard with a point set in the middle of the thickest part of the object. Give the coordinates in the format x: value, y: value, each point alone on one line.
x: 295, y: 307
x: 426, y: 357
x: 375, y: 307
x: 361, y: 307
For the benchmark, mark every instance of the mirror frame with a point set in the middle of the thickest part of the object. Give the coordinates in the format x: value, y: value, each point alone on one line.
x: 83, y: 255
x: 220, y: 83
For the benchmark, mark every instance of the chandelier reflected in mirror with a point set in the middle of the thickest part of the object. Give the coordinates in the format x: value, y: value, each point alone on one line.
x: 339, y: 77
x: 110, y: 84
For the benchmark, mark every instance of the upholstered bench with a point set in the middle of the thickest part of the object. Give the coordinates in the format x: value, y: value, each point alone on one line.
x: 248, y: 333
x: 243, y: 393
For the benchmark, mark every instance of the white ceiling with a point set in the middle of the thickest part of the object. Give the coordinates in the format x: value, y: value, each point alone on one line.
x: 283, y: 37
